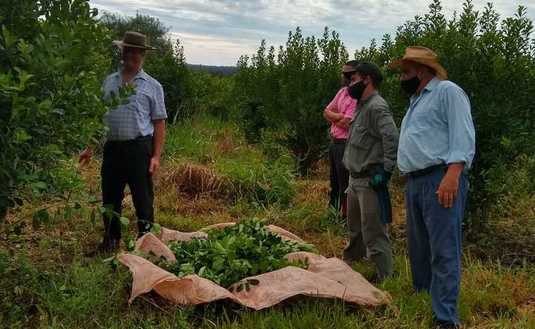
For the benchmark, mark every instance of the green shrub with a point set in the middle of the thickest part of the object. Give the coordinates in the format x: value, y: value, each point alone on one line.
x: 50, y: 82
x: 288, y: 90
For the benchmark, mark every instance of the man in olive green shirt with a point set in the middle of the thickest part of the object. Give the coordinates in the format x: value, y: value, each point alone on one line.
x: 370, y: 157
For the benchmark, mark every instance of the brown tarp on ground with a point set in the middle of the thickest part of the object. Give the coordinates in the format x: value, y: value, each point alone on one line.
x: 325, y: 277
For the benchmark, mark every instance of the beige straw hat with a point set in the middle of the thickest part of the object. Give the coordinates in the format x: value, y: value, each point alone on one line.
x: 424, y: 56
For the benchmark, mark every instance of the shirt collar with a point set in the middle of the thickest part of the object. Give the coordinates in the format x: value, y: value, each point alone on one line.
x: 367, y: 99
x: 432, y: 84
x: 140, y: 75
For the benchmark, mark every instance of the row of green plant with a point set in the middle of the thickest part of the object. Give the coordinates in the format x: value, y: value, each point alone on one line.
x: 491, y: 57
x: 282, y: 92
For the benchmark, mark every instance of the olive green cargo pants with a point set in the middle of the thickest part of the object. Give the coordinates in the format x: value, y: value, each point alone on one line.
x: 368, y: 236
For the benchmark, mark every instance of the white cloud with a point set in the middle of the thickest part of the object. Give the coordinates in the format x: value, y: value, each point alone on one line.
x: 208, y: 50
x: 219, y: 31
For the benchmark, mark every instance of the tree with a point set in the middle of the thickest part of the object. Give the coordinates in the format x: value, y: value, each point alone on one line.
x: 52, y: 62
x: 288, y: 90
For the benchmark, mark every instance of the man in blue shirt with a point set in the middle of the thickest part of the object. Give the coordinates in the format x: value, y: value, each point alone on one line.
x: 134, y: 141
x: 436, y: 149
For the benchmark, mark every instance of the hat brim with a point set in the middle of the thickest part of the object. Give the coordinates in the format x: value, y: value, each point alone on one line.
x: 440, y: 71
x: 121, y: 44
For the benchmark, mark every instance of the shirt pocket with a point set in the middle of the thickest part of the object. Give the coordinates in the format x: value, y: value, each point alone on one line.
x: 361, y: 138
x: 427, y: 116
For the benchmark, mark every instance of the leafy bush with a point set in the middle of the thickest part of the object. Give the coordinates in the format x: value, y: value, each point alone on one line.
x: 234, y: 253
x: 52, y: 62
x: 287, y: 91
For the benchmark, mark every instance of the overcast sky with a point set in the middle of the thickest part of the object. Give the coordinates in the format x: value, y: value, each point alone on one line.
x: 217, y: 32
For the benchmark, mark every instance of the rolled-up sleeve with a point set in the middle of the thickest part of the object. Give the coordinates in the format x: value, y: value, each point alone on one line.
x: 158, y: 111
x: 386, y: 127
x: 460, y: 126
x: 333, y: 105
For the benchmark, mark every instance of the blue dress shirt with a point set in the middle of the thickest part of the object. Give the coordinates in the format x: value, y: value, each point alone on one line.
x: 437, y: 128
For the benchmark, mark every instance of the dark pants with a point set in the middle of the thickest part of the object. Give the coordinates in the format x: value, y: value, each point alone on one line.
x: 127, y: 163
x: 368, y: 235
x: 434, y: 236
x: 339, y: 175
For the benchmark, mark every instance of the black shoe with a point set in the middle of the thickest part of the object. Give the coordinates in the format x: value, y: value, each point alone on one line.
x: 445, y: 325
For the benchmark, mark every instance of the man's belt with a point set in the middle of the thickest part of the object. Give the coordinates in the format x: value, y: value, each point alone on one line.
x: 368, y: 171
x: 426, y: 171
x: 357, y: 175
x: 130, y: 141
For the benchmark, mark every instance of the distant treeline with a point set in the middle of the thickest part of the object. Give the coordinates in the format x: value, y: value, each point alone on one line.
x: 212, y: 69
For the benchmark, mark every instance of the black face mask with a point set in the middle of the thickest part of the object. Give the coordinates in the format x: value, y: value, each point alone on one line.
x: 411, y: 85
x: 356, y: 90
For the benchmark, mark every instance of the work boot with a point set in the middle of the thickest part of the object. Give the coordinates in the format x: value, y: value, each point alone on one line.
x: 437, y: 324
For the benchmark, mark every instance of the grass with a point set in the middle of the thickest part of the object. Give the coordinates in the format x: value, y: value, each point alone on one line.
x: 46, y: 282
x: 227, y: 164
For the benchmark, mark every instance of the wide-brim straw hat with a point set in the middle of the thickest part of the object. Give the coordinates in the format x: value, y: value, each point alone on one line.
x: 424, y: 56
x: 133, y: 40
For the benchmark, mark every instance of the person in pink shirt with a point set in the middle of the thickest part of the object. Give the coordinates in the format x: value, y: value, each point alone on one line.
x: 340, y: 113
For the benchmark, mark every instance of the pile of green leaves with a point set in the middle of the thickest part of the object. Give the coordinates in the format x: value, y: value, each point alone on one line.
x: 233, y: 253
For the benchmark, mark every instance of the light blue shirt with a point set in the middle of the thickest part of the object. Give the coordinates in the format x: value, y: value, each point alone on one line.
x: 437, y: 128
x: 134, y: 118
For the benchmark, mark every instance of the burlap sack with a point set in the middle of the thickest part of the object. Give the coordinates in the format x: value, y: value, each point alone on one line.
x: 325, y: 277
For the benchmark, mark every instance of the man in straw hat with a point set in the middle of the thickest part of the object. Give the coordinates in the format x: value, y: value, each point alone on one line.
x: 134, y: 141
x: 436, y: 149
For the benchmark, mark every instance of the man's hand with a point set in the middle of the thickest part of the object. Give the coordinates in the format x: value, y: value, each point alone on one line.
x: 85, y: 156
x: 449, y: 186
x: 380, y: 178
x: 331, y: 116
x: 154, y: 165
x: 344, y: 122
